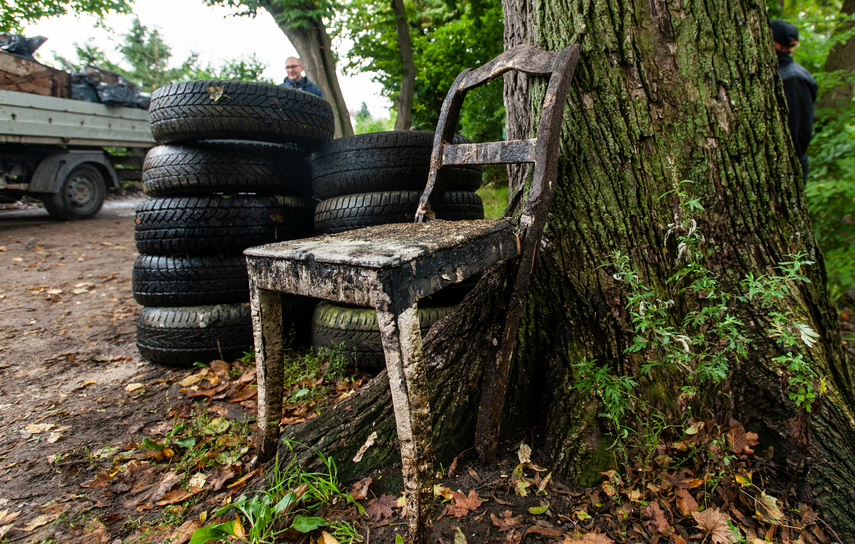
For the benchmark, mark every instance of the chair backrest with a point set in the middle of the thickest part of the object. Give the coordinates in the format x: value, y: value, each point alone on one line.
x: 542, y: 150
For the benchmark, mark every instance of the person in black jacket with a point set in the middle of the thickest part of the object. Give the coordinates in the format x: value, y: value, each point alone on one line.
x: 296, y: 80
x: 799, y: 88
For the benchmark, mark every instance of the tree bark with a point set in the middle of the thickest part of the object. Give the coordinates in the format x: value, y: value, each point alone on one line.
x: 663, y: 93
x: 840, y: 58
x: 314, y: 47
x: 404, y: 100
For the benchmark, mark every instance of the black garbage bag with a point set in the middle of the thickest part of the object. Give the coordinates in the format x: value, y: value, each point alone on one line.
x: 123, y: 94
x: 143, y: 100
x: 84, y: 92
x: 17, y: 45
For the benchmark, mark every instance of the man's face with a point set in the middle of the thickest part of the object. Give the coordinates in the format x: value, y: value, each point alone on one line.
x: 294, y: 69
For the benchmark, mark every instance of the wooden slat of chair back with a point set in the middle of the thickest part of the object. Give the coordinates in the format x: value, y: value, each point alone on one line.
x: 541, y: 150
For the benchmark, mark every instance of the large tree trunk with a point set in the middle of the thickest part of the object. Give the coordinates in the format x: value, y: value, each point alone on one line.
x: 664, y: 92
x: 404, y: 100
x: 841, y: 57
x: 314, y: 47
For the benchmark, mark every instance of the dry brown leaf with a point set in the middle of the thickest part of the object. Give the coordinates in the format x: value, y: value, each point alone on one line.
x: 194, y: 378
x: 685, y: 502
x: 244, y: 392
x: 240, y: 481
x: 507, y: 522
x: 452, y: 467
x: 462, y: 504
x: 381, y: 507
x: 40, y: 521
x: 221, y: 368
x: 327, y: 538
x: 545, y: 531
x: 590, y: 538
x: 359, y: 491
x: 176, y: 495
x: 221, y: 479
x: 740, y: 441
x: 657, y: 518
x: 713, y: 522
x: 183, y: 534
x: 38, y: 428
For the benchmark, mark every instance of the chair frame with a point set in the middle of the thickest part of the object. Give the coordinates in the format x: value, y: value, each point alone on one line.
x: 391, y: 267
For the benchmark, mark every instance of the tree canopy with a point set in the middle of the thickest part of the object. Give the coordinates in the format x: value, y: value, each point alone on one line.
x: 14, y: 14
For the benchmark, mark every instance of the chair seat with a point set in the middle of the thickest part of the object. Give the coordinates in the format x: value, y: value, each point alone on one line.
x: 366, y: 266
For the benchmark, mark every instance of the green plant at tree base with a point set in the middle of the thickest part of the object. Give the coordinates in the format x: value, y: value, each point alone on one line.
x: 701, y: 347
x: 293, y: 495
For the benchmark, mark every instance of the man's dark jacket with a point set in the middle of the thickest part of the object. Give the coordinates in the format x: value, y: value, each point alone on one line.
x: 800, y: 90
x: 303, y: 85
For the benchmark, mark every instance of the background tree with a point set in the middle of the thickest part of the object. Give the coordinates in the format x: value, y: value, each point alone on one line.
x: 663, y: 93
x: 446, y: 37
x: 15, y: 14
x: 303, y: 22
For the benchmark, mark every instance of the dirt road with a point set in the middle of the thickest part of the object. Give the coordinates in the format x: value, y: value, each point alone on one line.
x: 67, y: 354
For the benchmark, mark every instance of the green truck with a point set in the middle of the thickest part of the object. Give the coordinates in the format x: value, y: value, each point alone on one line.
x: 68, y: 153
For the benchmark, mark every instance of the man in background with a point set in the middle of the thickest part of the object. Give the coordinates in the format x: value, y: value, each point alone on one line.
x: 296, y: 80
x: 799, y: 88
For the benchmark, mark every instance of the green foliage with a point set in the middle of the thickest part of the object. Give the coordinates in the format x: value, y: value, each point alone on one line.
x: 292, y: 13
x: 147, y: 60
x: 15, y: 14
x: 365, y: 122
x: 287, y: 504
x: 700, y: 345
x: 447, y: 37
x: 495, y: 198
x: 831, y: 184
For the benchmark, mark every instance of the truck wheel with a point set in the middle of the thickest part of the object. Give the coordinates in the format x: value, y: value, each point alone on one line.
x: 216, y: 224
x: 384, y: 161
x: 190, y: 280
x: 349, y: 212
x: 183, y: 336
x: 239, y: 110
x: 356, y: 330
x: 80, y: 196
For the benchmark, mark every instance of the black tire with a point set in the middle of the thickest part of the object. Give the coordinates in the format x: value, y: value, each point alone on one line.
x: 190, y: 280
x: 365, y: 209
x: 81, y: 195
x: 239, y: 110
x: 356, y: 330
x: 215, y: 224
x: 383, y: 161
x: 226, y: 167
x: 183, y: 336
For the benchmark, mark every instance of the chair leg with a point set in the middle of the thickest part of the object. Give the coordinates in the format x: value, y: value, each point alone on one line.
x: 269, y: 358
x: 402, y: 345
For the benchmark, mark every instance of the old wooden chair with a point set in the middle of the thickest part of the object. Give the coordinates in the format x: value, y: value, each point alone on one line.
x: 391, y: 267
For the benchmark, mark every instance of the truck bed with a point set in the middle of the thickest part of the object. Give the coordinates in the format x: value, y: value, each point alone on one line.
x: 35, y: 119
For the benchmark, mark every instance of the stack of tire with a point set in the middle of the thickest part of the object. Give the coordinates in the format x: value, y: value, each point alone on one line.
x: 373, y: 179
x: 232, y: 171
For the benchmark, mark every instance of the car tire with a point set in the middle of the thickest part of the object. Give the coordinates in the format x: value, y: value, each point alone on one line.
x: 206, y: 225
x: 239, y: 110
x: 190, y: 280
x: 226, y: 167
x: 356, y: 331
x: 349, y: 212
x: 383, y: 161
x: 183, y: 336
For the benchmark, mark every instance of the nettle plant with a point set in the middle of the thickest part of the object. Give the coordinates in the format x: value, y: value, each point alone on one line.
x: 701, y: 347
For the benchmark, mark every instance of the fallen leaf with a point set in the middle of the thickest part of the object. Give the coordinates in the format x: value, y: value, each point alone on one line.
x: 327, y: 538
x: 444, y: 492
x: 243, y: 478
x: 538, y: 510
x: 657, y: 518
x: 590, y: 538
x: 545, y: 531
x: 451, y: 468
x: 381, y: 507
x: 41, y: 521
x: 462, y: 504
x: 38, y: 428
x: 524, y: 453
x: 131, y: 387
x: 507, y: 522
x: 194, y: 378
x: 685, y: 502
x: 459, y: 537
x: 713, y: 522
x: 766, y: 507
x: 6, y: 518
x: 221, y: 479
x: 741, y: 442
x: 198, y: 480
x: 359, y: 490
